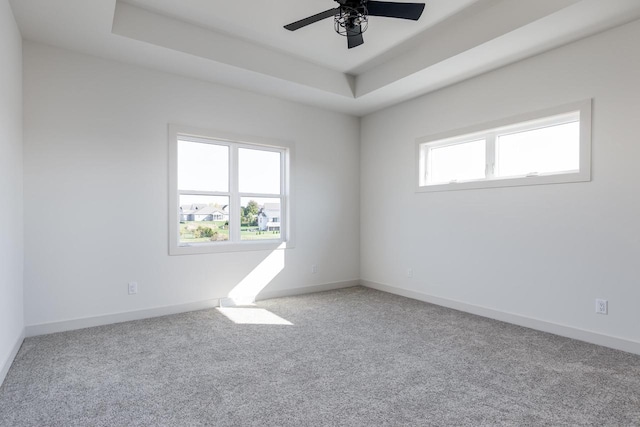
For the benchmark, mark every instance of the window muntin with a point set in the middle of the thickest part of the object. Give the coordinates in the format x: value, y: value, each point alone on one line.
x: 213, y: 180
x: 551, y: 146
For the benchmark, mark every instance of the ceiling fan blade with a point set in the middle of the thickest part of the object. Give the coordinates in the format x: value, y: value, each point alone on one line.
x: 395, y: 10
x: 311, y: 19
x: 354, y: 36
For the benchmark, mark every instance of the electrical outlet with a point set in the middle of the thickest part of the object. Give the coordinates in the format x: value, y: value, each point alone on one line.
x: 409, y: 272
x: 602, y: 306
x: 133, y: 288
x: 314, y: 269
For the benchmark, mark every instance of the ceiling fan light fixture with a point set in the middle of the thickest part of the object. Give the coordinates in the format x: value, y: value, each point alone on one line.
x: 348, y: 19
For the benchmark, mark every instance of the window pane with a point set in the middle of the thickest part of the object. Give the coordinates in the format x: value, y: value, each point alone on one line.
x: 204, y: 219
x: 550, y: 149
x: 460, y: 162
x: 260, y: 218
x: 203, y: 167
x: 259, y: 171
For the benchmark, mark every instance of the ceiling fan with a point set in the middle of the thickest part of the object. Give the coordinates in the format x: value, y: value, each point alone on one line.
x: 351, y: 17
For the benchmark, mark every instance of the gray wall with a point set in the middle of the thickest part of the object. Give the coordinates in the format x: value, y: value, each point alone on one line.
x: 96, y: 178
x: 11, y: 229
x: 540, y: 252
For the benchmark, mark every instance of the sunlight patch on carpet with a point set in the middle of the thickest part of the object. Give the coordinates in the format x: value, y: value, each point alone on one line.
x: 252, y: 316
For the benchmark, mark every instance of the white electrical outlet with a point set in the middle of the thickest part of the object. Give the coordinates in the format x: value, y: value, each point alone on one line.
x: 314, y: 269
x: 133, y: 288
x: 409, y: 272
x: 602, y: 306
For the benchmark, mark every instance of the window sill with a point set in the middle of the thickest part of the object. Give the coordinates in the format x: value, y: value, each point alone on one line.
x: 213, y: 248
x: 507, y: 182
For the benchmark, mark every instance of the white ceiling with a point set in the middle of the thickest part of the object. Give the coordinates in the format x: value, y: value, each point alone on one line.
x: 230, y: 43
x: 262, y: 22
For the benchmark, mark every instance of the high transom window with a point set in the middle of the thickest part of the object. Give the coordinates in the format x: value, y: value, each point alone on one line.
x: 547, y: 147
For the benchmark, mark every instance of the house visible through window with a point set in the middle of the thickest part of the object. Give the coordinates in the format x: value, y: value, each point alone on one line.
x: 228, y: 194
x: 548, y: 147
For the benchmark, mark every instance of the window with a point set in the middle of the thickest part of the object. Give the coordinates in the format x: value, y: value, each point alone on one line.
x: 227, y: 193
x: 552, y: 146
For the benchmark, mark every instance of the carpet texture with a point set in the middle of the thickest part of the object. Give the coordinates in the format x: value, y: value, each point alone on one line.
x: 352, y: 357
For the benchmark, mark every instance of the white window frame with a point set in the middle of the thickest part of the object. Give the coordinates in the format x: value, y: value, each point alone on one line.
x: 234, y: 142
x: 491, y: 131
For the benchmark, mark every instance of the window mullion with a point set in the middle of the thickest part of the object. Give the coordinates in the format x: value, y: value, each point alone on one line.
x: 427, y: 169
x: 490, y: 161
x: 234, y: 202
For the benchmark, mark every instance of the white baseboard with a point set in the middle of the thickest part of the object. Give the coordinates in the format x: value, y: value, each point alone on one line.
x: 107, y: 319
x: 529, y: 322
x: 307, y: 289
x: 6, y: 364
x: 87, y: 322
